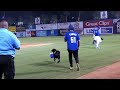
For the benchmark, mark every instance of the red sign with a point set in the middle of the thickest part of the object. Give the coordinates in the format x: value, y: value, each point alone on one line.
x: 102, y: 23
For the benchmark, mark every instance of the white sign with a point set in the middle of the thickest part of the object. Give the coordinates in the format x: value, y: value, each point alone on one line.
x: 46, y: 26
x: 88, y: 30
x: 115, y: 20
x: 20, y: 23
x: 37, y: 20
x: 65, y: 25
x: 28, y: 33
x: 103, y: 15
x: 21, y: 34
x: 30, y: 30
x: 77, y: 25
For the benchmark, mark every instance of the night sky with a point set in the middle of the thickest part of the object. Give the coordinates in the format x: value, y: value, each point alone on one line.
x: 85, y: 15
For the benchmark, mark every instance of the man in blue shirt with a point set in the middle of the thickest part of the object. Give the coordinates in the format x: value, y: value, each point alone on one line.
x: 8, y: 45
x: 73, y: 42
x: 96, y: 35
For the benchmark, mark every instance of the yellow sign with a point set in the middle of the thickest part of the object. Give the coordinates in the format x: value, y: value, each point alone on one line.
x: 12, y: 28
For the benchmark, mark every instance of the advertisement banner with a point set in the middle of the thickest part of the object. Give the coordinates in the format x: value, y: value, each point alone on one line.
x: 101, y: 23
x: 55, y: 32
x: 116, y: 20
x: 41, y: 33
x: 37, y: 20
x: 46, y: 26
x: 19, y: 29
x: 118, y: 27
x: 33, y: 33
x: 103, y: 30
x: 88, y: 30
x: 64, y: 25
x: 30, y: 26
x: 62, y: 32
x: 12, y: 28
x: 52, y: 32
x: 30, y: 30
x: 77, y: 25
x: 20, y: 23
x: 106, y: 30
x: 28, y: 33
x: 103, y: 14
x: 21, y: 34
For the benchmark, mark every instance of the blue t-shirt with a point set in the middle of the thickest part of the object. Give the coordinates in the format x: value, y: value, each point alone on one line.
x: 96, y: 32
x: 72, y: 39
x: 8, y: 42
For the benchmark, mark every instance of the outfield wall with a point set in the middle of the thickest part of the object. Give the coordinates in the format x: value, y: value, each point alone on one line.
x: 107, y: 26
x: 37, y: 33
x: 58, y: 29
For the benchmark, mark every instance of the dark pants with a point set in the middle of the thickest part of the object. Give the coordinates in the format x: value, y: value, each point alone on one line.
x: 75, y: 54
x: 7, y: 67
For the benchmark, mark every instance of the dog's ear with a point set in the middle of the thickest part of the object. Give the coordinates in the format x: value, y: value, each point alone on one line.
x: 53, y: 50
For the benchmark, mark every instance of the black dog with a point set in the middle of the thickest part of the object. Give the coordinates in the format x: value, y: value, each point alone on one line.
x: 56, y: 54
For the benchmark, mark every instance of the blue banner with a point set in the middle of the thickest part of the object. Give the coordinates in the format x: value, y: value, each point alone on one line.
x: 41, y: 33
x: 48, y: 32
x: 56, y: 33
x: 106, y: 30
x: 52, y: 32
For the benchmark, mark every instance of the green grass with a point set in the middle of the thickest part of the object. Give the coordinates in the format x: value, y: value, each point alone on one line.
x: 35, y: 63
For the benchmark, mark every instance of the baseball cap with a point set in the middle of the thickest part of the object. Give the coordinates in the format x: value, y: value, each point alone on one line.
x: 71, y: 27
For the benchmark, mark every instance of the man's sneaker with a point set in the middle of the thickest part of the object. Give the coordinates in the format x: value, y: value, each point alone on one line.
x: 78, y: 67
x: 58, y: 61
x: 71, y: 68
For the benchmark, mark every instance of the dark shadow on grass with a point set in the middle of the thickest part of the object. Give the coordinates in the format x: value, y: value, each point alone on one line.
x: 45, y: 71
x: 87, y: 47
x: 50, y: 63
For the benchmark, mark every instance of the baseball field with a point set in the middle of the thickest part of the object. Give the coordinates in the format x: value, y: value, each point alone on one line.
x: 33, y: 61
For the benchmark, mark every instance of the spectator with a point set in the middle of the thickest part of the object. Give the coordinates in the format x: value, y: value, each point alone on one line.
x: 8, y: 45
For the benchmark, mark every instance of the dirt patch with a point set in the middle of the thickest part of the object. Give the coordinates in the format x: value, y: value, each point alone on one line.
x: 108, y: 72
x: 25, y: 45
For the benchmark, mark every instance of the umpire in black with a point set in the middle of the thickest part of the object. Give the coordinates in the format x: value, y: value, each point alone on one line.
x: 8, y: 45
